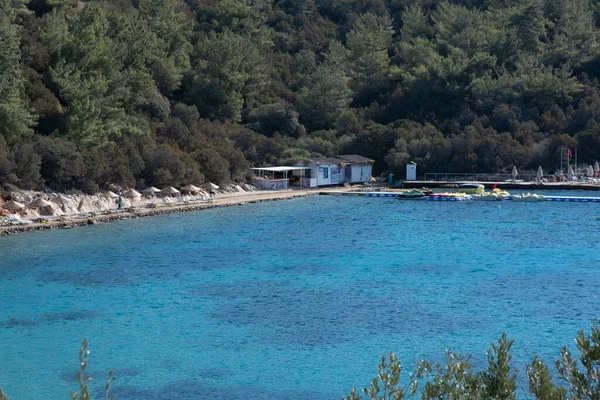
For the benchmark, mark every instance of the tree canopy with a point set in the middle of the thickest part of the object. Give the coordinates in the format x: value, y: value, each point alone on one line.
x: 156, y: 92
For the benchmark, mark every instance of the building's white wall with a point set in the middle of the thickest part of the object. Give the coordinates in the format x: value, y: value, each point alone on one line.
x: 367, y: 173
x: 309, y: 182
x: 357, y: 173
x: 306, y: 182
x: 411, y: 172
x: 272, y: 184
x: 361, y: 173
x: 336, y: 174
x: 323, y: 175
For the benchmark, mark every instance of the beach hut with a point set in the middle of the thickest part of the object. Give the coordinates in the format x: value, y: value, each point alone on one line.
x: 348, y: 168
x: 320, y: 171
x: 275, y: 178
x: 357, y: 169
x: 13, y: 206
x: 131, y: 194
x: 170, y: 191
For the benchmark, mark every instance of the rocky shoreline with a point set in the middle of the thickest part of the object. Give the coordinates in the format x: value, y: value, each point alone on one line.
x: 74, y: 221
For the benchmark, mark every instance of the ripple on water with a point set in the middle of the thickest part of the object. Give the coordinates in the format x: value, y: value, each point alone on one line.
x: 294, y: 299
x: 315, y: 316
x: 193, y: 389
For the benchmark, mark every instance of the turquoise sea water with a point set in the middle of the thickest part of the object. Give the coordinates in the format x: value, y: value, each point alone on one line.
x: 295, y: 299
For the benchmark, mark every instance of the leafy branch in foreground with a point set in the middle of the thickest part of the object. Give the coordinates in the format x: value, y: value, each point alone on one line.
x: 457, y: 380
x: 583, y: 384
x: 84, y: 379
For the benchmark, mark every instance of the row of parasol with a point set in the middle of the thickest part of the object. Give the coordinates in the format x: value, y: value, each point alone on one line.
x: 39, y: 203
x: 131, y: 193
x: 168, y: 191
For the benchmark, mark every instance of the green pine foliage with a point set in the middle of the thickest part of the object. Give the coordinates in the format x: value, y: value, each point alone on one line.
x: 457, y: 380
x: 456, y: 86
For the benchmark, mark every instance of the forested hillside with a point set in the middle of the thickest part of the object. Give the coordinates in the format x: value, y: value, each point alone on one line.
x: 157, y: 92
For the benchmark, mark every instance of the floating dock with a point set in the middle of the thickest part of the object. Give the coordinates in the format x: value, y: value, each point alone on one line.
x: 532, y: 186
x: 382, y: 194
x: 573, y: 199
x: 341, y: 193
x: 564, y: 199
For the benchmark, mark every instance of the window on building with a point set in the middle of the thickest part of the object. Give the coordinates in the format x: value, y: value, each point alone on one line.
x: 325, y: 172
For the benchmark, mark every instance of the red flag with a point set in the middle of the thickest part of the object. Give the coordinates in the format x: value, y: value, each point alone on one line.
x: 494, y: 187
x: 569, y: 154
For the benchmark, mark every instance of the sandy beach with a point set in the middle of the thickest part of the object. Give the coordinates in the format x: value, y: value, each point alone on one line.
x: 143, y: 209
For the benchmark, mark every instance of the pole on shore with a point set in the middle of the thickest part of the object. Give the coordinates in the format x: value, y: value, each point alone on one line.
x: 561, y: 168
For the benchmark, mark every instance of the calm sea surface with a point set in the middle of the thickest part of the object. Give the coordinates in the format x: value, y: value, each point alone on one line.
x: 294, y: 299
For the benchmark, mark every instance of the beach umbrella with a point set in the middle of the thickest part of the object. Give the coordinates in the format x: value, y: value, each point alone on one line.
x: 13, y: 205
x: 110, y: 195
x: 540, y: 173
x: 131, y: 193
x: 596, y: 167
x: 83, y: 205
x: 570, y: 172
x: 60, y: 199
x: 169, y: 190
x: 190, y: 188
x: 514, y: 172
x: 209, y: 186
x: 151, y: 190
x: 39, y: 203
x: 590, y: 170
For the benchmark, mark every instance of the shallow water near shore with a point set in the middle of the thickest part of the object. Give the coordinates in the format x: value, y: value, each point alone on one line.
x: 295, y: 299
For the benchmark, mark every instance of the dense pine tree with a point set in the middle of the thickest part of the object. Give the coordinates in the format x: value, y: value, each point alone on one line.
x: 174, y: 91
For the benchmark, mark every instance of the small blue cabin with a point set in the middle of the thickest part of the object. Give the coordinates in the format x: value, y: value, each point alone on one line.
x: 336, y: 170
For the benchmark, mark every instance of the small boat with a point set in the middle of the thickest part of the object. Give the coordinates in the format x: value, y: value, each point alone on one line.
x: 488, y: 196
x: 471, y: 188
x: 494, y: 195
x: 410, y: 194
x: 501, y: 192
x: 448, y: 196
x: 528, y: 197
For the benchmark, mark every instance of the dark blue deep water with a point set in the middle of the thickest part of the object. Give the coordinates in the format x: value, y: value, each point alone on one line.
x: 292, y: 300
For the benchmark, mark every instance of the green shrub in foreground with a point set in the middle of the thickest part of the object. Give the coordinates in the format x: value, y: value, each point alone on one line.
x: 457, y: 380
x: 84, y: 379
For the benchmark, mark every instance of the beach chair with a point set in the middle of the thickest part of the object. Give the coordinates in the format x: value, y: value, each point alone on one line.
x: 15, y: 219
